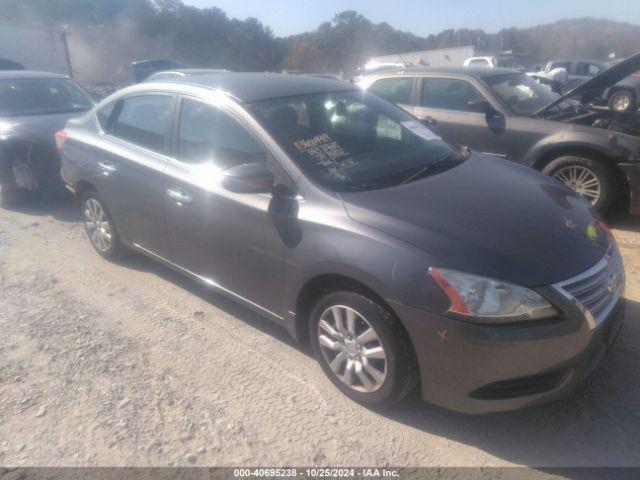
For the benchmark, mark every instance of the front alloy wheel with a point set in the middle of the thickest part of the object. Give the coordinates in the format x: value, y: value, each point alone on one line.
x: 352, y: 349
x: 592, y: 178
x: 362, y: 348
x: 581, y: 179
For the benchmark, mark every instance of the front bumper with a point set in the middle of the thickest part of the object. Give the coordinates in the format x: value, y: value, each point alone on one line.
x: 478, y: 368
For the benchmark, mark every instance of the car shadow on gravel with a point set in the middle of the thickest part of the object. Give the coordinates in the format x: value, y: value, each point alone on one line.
x: 620, y: 219
x: 60, y: 207
x: 142, y: 263
x: 597, y: 425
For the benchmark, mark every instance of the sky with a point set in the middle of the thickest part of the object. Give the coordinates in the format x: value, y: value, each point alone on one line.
x: 423, y: 17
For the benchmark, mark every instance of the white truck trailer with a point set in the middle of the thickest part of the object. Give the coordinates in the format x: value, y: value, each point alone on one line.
x: 34, y: 48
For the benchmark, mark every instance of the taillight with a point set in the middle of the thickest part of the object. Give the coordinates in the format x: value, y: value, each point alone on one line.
x: 60, y: 137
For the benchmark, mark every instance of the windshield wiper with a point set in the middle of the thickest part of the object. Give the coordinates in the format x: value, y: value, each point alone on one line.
x: 426, y: 168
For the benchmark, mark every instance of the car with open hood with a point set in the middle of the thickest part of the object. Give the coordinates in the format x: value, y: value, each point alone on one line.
x: 33, y: 107
x: 593, y: 150
x: 403, y: 259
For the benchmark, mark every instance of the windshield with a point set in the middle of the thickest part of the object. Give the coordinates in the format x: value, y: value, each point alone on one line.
x: 353, y: 140
x: 521, y: 92
x: 40, y: 96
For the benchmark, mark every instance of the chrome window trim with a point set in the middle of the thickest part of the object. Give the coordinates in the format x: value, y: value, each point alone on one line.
x: 207, y: 281
x: 125, y: 143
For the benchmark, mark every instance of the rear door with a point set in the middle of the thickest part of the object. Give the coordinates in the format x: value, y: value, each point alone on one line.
x: 234, y: 241
x: 131, y: 161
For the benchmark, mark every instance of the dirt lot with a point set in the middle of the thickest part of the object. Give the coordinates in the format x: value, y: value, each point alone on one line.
x: 132, y: 364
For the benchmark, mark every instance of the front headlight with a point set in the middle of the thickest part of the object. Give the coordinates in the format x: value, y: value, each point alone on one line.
x: 490, y: 301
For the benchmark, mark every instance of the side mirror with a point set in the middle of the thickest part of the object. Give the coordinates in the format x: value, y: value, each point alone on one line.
x: 479, y: 105
x: 248, y: 178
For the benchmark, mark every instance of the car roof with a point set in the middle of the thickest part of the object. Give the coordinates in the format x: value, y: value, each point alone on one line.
x: 254, y: 87
x: 471, y: 71
x: 576, y: 60
x: 18, y: 74
x: 185, y: 72
x: 192, y: 71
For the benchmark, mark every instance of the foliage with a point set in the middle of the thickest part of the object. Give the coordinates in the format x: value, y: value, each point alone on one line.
x: 106, y: 35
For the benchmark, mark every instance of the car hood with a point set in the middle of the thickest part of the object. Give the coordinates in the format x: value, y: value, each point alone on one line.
x: 489, y: 217
x: 34, y: 128
x: 595, y: 87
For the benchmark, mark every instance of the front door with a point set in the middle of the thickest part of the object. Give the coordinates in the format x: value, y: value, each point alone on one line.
x: 444, y: 106
x: 233, y: 241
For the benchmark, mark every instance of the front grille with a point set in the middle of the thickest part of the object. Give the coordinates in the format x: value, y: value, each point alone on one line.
x: 596, y: 291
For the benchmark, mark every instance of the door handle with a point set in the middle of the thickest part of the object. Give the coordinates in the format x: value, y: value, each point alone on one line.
x: 107, y: 168
x: 179, y: 196
x: 429, y: 120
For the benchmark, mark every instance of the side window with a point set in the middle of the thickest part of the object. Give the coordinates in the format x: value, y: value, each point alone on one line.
x: 104, y: 114
x: 144, y: 120
x: 588, y: 69
x: 448, y: 93
x: 209, y: 134
x: 394, y: 90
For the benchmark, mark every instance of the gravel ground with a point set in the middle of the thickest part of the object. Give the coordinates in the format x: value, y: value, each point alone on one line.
x: 132, y: 364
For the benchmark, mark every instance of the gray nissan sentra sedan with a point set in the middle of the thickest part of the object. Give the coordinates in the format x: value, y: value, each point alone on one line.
x: 404, y: 260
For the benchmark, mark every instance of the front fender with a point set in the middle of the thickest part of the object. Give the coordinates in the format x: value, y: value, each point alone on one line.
x: 606, y: 145
x: 394, y: 270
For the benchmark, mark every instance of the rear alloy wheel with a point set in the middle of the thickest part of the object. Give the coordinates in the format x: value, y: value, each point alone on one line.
x: 362, y: 348
x: 585, y: 176
x: 100, y: 227
x: 622, y: 101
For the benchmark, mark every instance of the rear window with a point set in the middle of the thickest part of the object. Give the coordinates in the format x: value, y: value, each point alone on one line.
x: 42, y: 96
x: 394, y: 90
x: 144, y: 120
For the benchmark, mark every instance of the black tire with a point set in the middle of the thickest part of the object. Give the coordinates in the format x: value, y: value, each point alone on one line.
x: 11, y: 195
x: 401, y: 365
x: 605, y: 177
x: 622, y: 97
x: 116, y: 248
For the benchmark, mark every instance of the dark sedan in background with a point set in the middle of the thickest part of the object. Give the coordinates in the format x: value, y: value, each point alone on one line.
x: 593, y: 150
x: 33, y: 106
x: 403, y: 259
